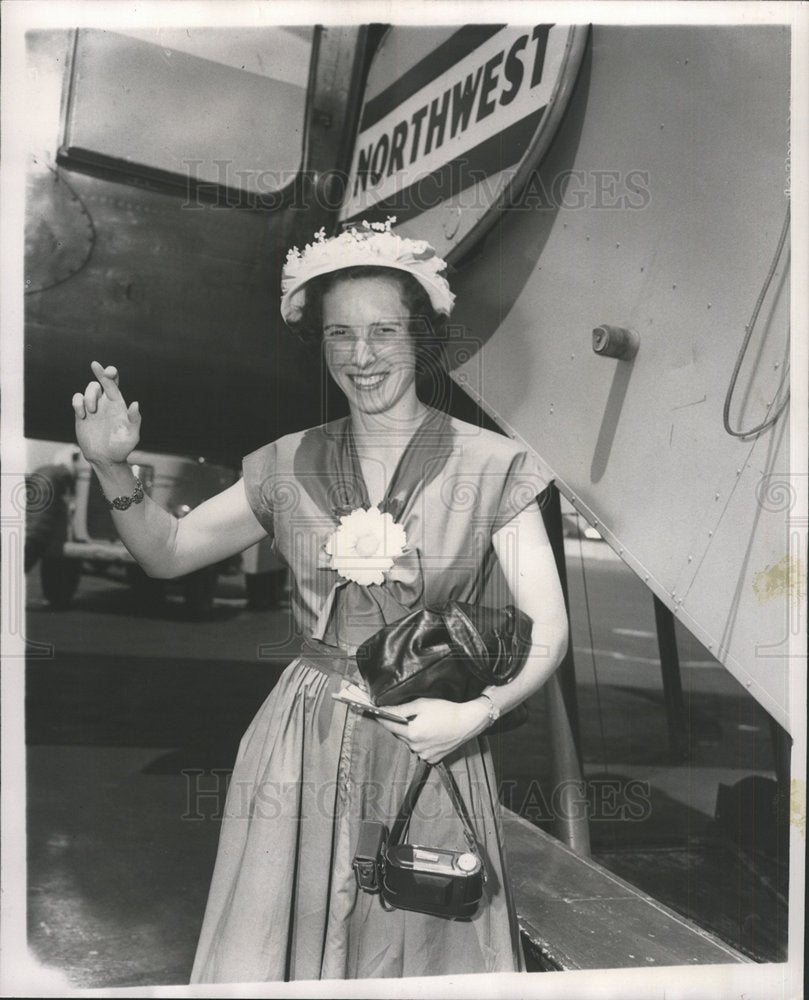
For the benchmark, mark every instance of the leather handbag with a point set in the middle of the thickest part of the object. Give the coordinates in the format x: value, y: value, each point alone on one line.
x: 452, y: 651
x: 444, y: 883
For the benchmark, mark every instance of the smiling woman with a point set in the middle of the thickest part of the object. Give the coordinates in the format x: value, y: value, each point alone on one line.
x: 395, y: 508
x: 369, y: 350
x: 381, y: 317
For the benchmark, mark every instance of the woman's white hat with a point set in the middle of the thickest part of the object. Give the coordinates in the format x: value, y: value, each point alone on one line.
x: 370, y: 244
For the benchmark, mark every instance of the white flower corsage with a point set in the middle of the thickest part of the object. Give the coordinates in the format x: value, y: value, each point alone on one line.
x: 364, y: 545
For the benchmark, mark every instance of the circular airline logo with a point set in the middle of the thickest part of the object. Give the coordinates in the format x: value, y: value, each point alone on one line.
x: 452, y: 120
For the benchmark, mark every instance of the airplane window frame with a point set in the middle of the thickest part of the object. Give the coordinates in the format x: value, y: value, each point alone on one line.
x: 198, y: 190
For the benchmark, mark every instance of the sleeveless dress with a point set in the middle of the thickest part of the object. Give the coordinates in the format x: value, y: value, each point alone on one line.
x: 283, y: 902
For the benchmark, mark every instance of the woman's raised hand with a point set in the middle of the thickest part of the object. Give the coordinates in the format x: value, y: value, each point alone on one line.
x: 107, y: 430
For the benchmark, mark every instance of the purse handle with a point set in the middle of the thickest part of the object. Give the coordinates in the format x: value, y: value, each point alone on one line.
x: 402, y: 822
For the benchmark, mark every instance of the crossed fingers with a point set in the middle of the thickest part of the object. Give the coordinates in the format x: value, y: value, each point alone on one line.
x: 107, y: 385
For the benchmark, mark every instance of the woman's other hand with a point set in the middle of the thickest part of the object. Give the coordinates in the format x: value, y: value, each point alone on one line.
x: 438, y: 727
x: 107, y: 430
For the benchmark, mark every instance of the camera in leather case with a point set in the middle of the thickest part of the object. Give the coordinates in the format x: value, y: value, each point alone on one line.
x: 411, y: 877
x: 430, y: 880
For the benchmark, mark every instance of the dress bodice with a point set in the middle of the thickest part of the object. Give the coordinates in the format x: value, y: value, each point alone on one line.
x: 454, y: 487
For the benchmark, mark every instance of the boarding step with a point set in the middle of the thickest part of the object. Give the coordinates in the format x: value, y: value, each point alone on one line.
x: 574, y: 914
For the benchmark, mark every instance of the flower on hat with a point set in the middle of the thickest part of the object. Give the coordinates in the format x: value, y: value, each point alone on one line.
x: 365, y: 544
x: 368, y: 244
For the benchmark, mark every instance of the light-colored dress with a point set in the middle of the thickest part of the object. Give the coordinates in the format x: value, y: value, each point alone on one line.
x: 283, y: 902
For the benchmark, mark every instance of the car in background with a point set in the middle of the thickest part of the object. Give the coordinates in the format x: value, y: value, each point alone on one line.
x: 89, y: 543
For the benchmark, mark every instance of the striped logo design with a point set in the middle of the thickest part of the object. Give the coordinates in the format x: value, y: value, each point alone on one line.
x: 467, y: 110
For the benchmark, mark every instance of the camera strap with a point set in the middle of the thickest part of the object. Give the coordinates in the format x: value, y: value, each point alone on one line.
x: 418, y: 781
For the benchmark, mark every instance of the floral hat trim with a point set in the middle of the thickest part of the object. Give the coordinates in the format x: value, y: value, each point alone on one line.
x: 370, y: 244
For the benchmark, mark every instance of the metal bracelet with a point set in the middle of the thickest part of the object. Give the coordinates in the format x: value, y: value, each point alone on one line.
x: 124, y: 503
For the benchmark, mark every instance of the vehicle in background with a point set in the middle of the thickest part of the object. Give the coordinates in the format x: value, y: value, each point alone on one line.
x: 91, y: 543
